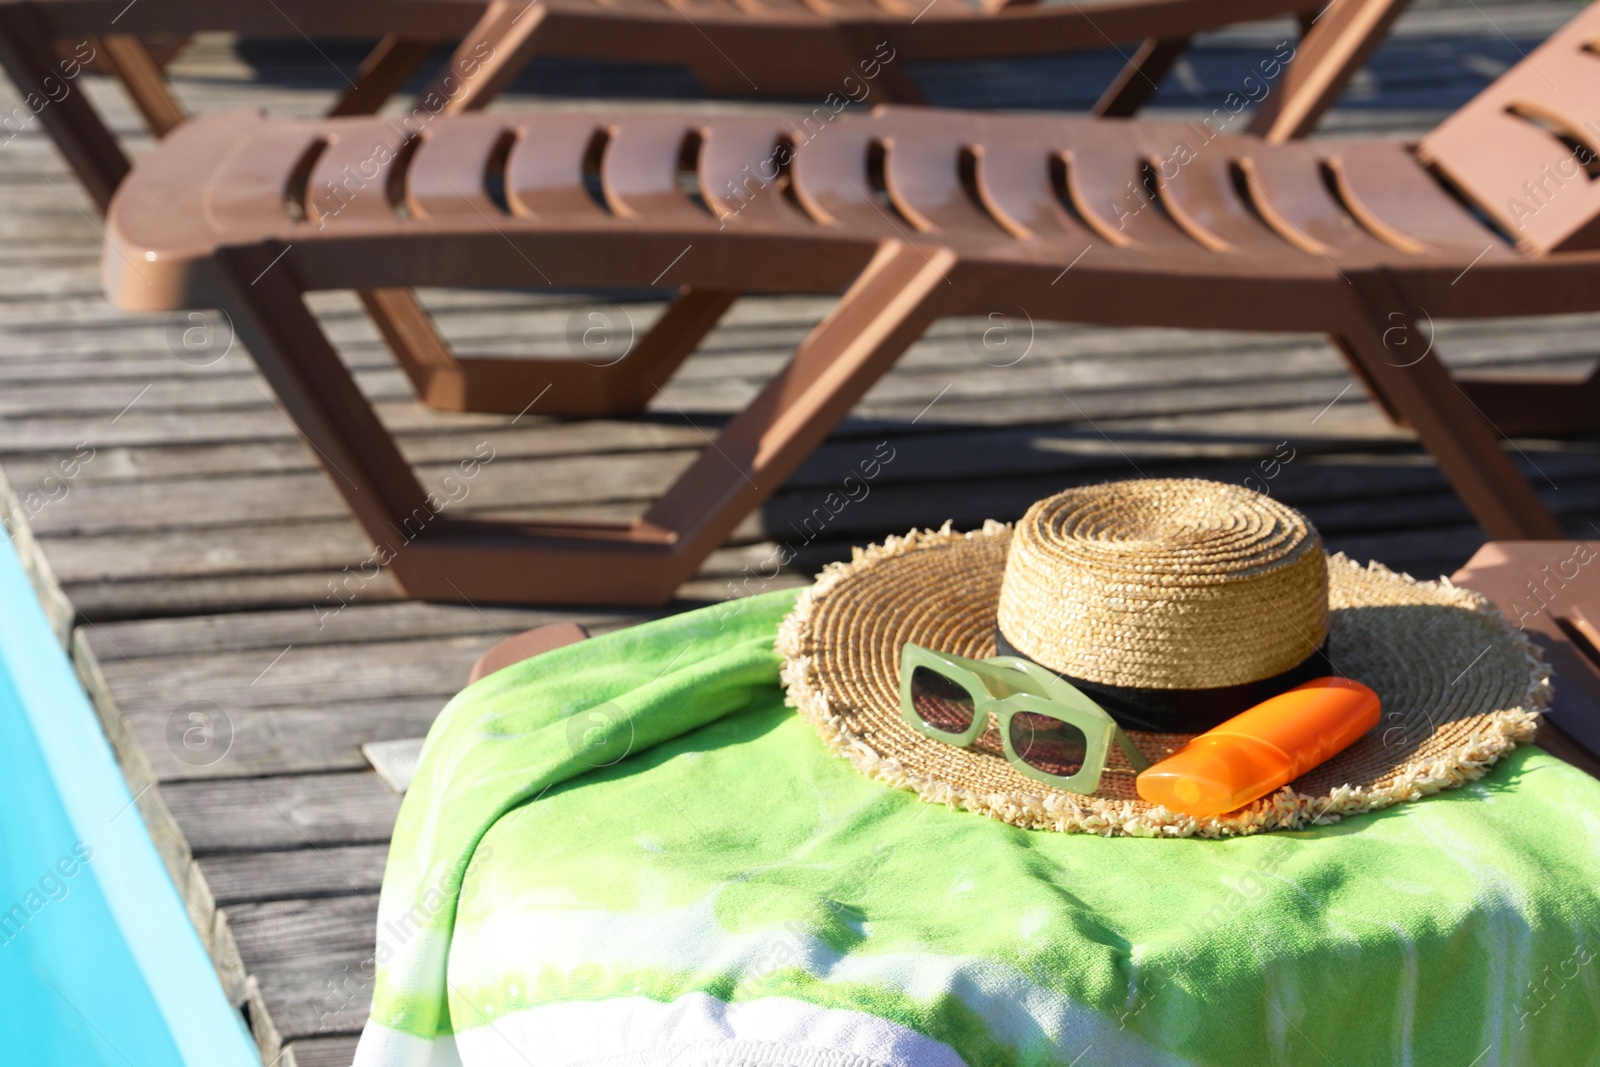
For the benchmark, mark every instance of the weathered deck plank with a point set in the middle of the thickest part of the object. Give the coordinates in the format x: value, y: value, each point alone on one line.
x: 201, y: 546
x: 295, y: 874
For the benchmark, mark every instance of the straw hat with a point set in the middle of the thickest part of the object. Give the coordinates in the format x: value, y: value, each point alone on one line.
x: 1175, y: 603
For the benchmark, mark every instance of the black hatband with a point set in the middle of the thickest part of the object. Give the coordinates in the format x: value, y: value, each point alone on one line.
x: 1183, y: 711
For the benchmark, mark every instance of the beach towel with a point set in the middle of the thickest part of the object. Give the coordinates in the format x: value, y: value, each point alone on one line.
x: 629, y: 851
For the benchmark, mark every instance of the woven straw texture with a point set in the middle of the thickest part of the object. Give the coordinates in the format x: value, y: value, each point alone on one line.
x: 1149, y: 583
x: 1460, y: 688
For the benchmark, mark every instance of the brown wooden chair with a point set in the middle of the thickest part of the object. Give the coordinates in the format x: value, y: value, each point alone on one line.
x: 913, y: 214
x: 833, y: 50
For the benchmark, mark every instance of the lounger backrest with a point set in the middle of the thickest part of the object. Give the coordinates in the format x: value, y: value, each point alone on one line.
x: 1526, y: 150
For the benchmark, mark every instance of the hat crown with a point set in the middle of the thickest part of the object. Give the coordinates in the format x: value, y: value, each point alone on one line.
x: 1165, y: 584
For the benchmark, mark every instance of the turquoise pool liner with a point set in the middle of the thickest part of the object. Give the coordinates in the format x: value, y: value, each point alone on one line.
x: 99, y: 963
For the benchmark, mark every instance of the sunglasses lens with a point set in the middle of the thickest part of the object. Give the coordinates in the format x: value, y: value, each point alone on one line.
x: 1048, y: 744
x: 939, y: 702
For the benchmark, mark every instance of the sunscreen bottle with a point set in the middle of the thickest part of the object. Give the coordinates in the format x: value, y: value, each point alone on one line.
x: 1262, y: 748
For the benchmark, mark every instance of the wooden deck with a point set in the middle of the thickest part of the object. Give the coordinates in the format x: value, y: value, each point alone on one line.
x: 197, y: 562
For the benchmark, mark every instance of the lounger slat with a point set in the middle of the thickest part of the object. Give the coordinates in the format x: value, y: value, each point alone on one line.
x: 832, y: 179
x: 1198, y: 192
x: 1394, y: 192
x: 351, y: 176
x: 1291, y: 191
x: 657, y: 8
x: 911, y: 9
x: 852, y: 8
x: 743, y: 169
x: 1011, y: 160
x: 1569, y: 103
x: 777, y: 8
x: 1524, y: 148
x: 1107, y: 176
x: 1014, y: 177
x: 924, y: 178
x: 647, y: 169
x: 1518, y: 183
x: 256, y: 182
x: 545, y: 174
x: 448, y: 172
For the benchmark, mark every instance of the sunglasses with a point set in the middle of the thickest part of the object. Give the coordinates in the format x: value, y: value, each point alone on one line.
x: 1051, y: 731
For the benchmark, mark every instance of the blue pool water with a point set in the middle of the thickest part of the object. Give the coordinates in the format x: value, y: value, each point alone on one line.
x: 98, y: 961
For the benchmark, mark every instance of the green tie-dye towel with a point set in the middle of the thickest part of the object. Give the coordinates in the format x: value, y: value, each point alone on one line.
x: 630, y: 852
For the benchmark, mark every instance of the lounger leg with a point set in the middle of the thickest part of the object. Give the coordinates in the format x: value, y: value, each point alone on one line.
x: 437, y: 556
x: 1137, y: 82
x: 895, y: 299
x: 316, y: 389
x: 1337, y: 46
x: 28, y: 53
x: 383, y: 73
x: 1420, y: 390
x: 558, y: 386
x: 485, y: 61
x: 483, y: 64
x: 489, y: 57
x: 430, y: 553
x: 144, y: 81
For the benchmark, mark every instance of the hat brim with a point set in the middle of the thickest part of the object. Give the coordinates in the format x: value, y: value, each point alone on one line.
x: 1460, y: 688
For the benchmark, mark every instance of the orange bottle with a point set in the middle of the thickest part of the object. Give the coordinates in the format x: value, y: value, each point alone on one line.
x: 1263, y: 748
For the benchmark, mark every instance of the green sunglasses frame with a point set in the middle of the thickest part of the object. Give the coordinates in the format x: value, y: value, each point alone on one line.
x: 1004, y: 686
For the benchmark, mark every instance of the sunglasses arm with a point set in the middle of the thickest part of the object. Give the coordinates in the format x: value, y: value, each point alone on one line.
x: 1130, y: 750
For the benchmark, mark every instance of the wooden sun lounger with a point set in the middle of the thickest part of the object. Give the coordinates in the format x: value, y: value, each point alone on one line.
x: 913, y: 214
x: 834, y: 50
